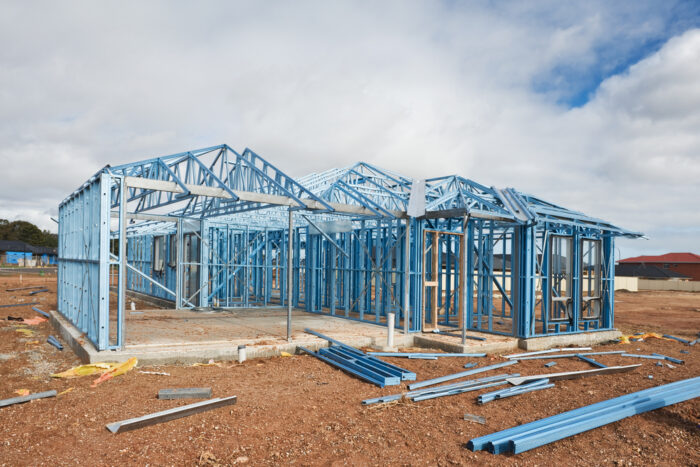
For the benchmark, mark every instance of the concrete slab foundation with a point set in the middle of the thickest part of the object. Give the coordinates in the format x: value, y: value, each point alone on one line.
x: 158, y: 337
x: 579, y: 340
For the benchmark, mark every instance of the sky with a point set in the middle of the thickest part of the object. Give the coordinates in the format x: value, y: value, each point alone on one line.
x: 593, y: 105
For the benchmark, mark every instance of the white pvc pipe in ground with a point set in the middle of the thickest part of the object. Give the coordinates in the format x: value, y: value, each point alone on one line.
x: 390, y: 333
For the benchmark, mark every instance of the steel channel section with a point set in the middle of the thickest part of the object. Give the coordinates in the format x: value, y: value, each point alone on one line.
x: 360, y: 365
x: 364, y: 375
x: 436, y: 389
x: 531, y: 441
x: 462, y: 374
x: 498, y: 442
x: 569, y: 355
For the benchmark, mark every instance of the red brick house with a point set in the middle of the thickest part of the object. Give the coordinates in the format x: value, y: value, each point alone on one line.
x: 687, y: 264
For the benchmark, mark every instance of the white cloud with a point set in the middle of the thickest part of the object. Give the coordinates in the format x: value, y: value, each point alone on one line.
x: 423, y: 88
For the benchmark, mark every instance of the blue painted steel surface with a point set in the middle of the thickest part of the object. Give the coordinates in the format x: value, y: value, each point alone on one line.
x: 43, y: 313
x: 442, y: 379
x: 540, y: 432
x: 591, y: 361
x: 228, y: 213
x: 424, y: 354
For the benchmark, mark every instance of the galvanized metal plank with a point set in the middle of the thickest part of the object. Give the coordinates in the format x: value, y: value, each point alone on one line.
x: 170, y: 414
x: 573, y: 374
x: 185, y: 393
x: 27, y: 398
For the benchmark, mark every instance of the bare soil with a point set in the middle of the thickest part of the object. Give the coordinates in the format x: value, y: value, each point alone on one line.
x: 298, y: 410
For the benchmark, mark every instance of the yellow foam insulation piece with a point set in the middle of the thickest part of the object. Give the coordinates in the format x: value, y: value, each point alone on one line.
x: 26, y: 332
x: 22, y: 392
x: 648, y: 335
x: 285, y: 354
x: 107, y: 370
x: 85, y: 370
x: 65, y: 392
x: 119, y: 370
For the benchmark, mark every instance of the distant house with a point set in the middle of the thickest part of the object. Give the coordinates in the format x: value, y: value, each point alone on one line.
x: 647, y: 271
x: 17, y: 252
x: 685, y: 264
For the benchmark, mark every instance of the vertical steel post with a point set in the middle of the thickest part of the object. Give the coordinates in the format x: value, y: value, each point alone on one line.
x: 290, y: 249
x: 105, y: 219
x: 178, y: 265
x: 121, y: 298
x: 465, y: 253
x: 407, y: 277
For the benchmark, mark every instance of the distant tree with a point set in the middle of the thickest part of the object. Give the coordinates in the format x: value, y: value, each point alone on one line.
x: 27, y: 232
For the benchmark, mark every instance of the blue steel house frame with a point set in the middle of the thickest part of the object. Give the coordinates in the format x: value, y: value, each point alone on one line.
x: 218, y: 228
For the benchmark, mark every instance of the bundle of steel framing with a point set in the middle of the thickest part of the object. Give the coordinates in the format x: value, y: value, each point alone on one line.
x: 356, y: 362
x: 516, y: 390
x: 540, y: 432
x: 365, y: 367
x: 444, y: 390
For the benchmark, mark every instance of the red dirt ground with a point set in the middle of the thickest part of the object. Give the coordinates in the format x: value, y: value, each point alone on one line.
x: 298, y: 410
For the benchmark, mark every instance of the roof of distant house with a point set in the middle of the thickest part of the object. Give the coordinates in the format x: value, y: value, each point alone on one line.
x: 648, y: 271
x: 667, y: 258
x: 19, y: 246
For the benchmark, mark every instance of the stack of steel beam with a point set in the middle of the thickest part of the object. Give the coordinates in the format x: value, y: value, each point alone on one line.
x: 538, y: 433
x: 444, y: 390
x: 514, y: 391
x: 364, y: 367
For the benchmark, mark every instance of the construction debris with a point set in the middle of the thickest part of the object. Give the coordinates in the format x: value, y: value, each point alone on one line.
x: 53, y: 341
x: 116, y: 371
x: 365, y: 367
x: 641, y: 337
x: 424, y: 354
x: 442, y: 379
x: 670, y: 359
x: 171, y: 414
x: 591, y: 361
x: 107, y: 370
x: 19, y: 304
x: 538, y: 433
x: 35, y: 321
x: 681, y: 340
x: 474, y: 418
x: 443, y: 389
x: 573, y: 374
x: 542, y: 352
x: 27, y: 398
x: 514, y: 391
x: 570, y: 355
x: 550, y: 364
x: 43, y: 313
x: 354, y: 361
x: 24, y: 288
x: 185, y: 393
x: 38, y: 291
x: 160, y: 373
x: 653, y: 357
